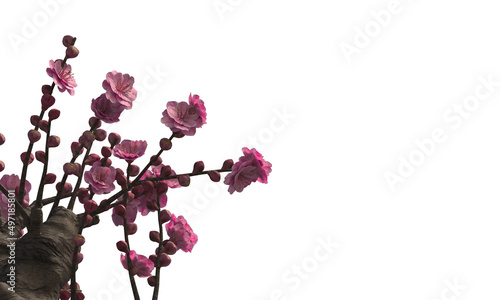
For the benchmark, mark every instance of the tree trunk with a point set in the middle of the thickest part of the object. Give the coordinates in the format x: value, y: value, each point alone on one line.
x: 42, y: 263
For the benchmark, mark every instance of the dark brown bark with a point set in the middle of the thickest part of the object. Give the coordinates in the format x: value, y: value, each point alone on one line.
x: 42, y: 263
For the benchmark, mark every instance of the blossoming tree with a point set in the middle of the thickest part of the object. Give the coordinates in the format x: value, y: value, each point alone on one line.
x: 43, y: 262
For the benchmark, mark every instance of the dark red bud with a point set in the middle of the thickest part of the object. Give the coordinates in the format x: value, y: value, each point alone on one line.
x: 72, y: 52
x: 50, y: 178
x: 122, y: 246
x: 106, y: 151
x: 154, y: 236
x: 184, y: 180
x: 131, y: 228
x: 165, y: 144
x: 54, y: 114
x: 165, y: 171
x: 34, y: 135
x: 134, y: 170
x: 100, y: 134
x: 40, y: 156
x: 46, y: 89
x: 227, y: 165
x: 93, y: 121
x: 47, y: 101
x: 114, y: 138
x: 90, y: 206
x: 157, y: 161
x: 54, y: 141
x: 34, y: 120
x: 198, y: 167
x: 23, y: 157
x: 165, y: 216
x: 170, y: 247
x: 214, y: 176
x: 67, y: 40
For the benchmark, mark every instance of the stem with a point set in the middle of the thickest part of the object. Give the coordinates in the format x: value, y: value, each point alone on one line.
x: 125, y: 232
x: 38, y: 201
x: 79, y: 181
x: 157, y: 273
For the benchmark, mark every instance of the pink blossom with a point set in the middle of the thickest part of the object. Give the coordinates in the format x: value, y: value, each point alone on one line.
x: 105, y: 110
x: 141, y: 265
x: 119, y: 89
x: 130, y: 150
x: 156, y: 172
x: 185, y: 117
x: 250, y: 168
x: 142, y: 201
x: 62, y: 76
x: 11, y: 183
x: 181, y: 234
x: 100, y: 178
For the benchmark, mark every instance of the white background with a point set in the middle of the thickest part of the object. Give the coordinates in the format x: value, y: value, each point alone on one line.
x: 351, y: 119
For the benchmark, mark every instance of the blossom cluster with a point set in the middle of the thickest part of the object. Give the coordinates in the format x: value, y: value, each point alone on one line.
x: 137, y: 190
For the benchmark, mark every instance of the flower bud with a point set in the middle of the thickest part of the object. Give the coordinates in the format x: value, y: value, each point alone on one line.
x: 214, y: 176
x: 152, y: 205
x: 46, y: 89
x: 88, y: 220
x: 152, y: 280
x: 165, y: 216
x: 86, y: 139
x: 154, y: 236
x: 114, y: 138
x: 170, y: 247
x: 152, y: 258
x: 2, y: 139
x: 122, y: 246
x: 106, y: 162
x: 165, y: 144
x: 43, y: 125
x: 72, y: 52
x: 184, y: 180
x: 121, y: 179
x: 100, y: 134
x: 91, y: 159
x: 134, y: 170
x: 34, y: 135
x: 106, y: 151
x: 50, y: 178
x: 165, y: 171
x: 198, y: 167
x: 227, y: 165
x: 23, y: 157
x: 165, y: 260
x: 66, y: 189
x: 34, y: 120
x: 119, y: 210
x: 54, y: 141
x: 137, y: 190
x: 78, y: 240
x: 83, y: 195
x: 2, y: 166
x: 79, y: 257
x: 155, y: 162
x: 54, y: 114
x: 47, y: 101
x: 70, y: 169
x: 74, y: 147
x: 106, y: 206
x: 148, y: 186
x: 131, y: 228
x: 90, y: 206
x: 161, y: 187
x: 40, y: 156
x: 96, y: 121
x: 67, y: 40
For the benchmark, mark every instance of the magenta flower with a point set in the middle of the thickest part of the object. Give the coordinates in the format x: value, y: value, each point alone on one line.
x: 105, y: 110
x: 120, y: 89
x: 130, y: 150
x: 181, y: 234
x: 141, y: 265
x: 11, y: 183
x: 185, y: 117
x: 250, y: 168
x: 62, y: 76
x: 100, y: 178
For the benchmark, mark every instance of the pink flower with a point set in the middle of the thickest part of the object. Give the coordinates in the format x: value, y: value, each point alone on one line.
x: 181, y: 234
x: 156, y: 172
x: 119, y: 89
x: 185, y: 117
x: 130, y: 150
x: 250, y: 168
x: 142, y: 201
x: 11, y: 183
x: 100, y: 178
x: 65, y: 293
x: 62, y: 76
x: 105, y: 110
x: 141, y: 265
